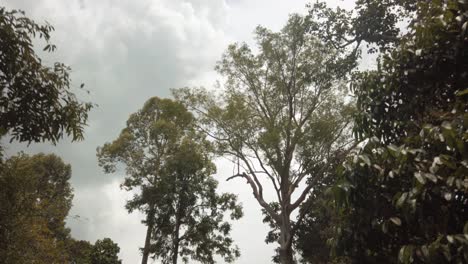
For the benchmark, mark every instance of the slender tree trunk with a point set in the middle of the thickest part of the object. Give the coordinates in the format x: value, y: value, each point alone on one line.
x: 176, y: 243
x: 176, y: 240
x: 149, y: 230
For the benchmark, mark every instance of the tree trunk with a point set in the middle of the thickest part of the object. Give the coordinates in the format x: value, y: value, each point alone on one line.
x: 149, y: 230
x: 176, y: 240
x: 286, y: 255
x: 285, y: 239
x: 176, y: 244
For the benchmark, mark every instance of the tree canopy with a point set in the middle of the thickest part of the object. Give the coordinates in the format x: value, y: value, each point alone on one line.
x: 403, y: 197
x: 36, y: 197
x: 281, y: 116
x: 105, y: 251
x: 36, y: 100
x: 170, y: 163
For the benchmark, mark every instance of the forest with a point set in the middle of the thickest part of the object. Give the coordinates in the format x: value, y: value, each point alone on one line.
x: 365, y: 164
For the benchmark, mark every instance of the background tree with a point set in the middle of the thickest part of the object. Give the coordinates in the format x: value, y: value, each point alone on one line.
x: 142, y: 147
x: 281, y: 115
x: 36, y: 101
x: 105, y: 251
x: 170, y: 163
x: 36, y: 197
x: 190, y: 221
x: 79, y: 251
x: 374, y: 23
x: 403, y: 197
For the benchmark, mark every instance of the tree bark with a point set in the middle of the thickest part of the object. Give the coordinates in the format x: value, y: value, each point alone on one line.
x: 285, y: 239
x: 286, y: 255
x: 149, y: 230
x: 176, y: 240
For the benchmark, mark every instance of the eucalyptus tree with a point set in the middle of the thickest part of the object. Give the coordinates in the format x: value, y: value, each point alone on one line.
x: 281, y: 116
x: 142, y: 147
x: 170, y: 163
x: 190, y: 219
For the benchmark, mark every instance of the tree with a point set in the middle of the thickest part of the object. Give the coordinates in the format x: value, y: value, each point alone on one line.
x: 319, y: 218
x: 191, y: 218
x: 375, y: 23
x: 170, y: 163
x: 105, y: 251
x: 36, y: 197
x: 403, y: 197
x: 281, y: 117
x: 79, y: 251
x: 36, y: 100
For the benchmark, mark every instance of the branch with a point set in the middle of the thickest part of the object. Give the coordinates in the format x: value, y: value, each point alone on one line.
x: 301, y: 216
x: 257, y: 196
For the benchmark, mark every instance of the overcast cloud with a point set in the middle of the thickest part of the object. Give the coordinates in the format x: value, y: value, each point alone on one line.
x: 125, y: 52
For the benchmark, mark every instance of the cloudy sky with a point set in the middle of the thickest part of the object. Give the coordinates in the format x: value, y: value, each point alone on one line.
x: 126, y: 51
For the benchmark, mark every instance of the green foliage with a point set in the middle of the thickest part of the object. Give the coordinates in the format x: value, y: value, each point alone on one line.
x: 36, y: 100
x: 372, y: 22
x: 79, y: 251
x: 317, y: 226
x: 403, y: 197
x: 171, y: 164
x: 281, y: 116
x: 190, y: 203
x: 36, y: 197
x: 105, y: 251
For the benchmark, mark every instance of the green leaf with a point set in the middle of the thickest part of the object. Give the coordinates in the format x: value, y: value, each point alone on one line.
x: 365, y: 158
x: 401, y: 200
x: 419, y: 177
x: 463, y: 92
x: 450, y: 239
x: 396, y: 220
x: 431, y: 177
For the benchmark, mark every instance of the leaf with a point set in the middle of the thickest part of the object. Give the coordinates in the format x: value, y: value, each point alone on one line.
x: 450, y: 239
x: 405, y: 254
x: 396, y: 220
x: 464, y: 92
x: 431, y: 177
x: 425, y: 251
x: 447, y: 125
x: 393, y: 149
x: 448, y: 196
x: 401, y: 200
x: 366, y: 159
x: 419, y: 177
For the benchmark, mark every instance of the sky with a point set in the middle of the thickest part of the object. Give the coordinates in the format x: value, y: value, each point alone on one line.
x: 125, y: 52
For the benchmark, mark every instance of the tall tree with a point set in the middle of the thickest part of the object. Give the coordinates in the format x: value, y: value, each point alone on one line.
x: 403, y: 197
x: 36, y: 197
x: 191, y: 217
x: 105, y: 251
x: 170, y: 163
x: 36, y: 100
x: 282, y: 116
